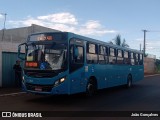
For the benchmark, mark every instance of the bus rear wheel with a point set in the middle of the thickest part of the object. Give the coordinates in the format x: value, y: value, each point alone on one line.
x: 91, y: 88
x: 129, y: 81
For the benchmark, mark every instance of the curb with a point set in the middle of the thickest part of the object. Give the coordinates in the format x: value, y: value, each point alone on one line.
x: 151, y: 75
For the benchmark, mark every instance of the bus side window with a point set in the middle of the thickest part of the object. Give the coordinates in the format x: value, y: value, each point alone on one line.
x: 136, y: 59
x: 112, y: 56
x: 76, y: 57
x: 80, y: 57
x: 106, y: 55
x: 132, y: 58
x: 102, y: 53
x: 71, y: 54
x: 92, y: 51
x: 141, y: 59
x: 119, y: 57
x: 80, y: 54
x: 126, y: 58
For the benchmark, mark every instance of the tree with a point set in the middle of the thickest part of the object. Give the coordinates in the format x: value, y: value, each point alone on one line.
x: 124, y: 44
x: 157, y: 63
x: 119, y: 42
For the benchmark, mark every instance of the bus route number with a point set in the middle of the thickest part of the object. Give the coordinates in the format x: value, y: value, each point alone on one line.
x: 43, y: 38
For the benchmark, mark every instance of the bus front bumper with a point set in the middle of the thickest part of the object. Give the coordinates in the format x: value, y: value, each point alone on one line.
x: 45, y: 90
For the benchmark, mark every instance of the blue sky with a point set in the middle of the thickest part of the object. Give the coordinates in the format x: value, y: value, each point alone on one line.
x: 99, y: 19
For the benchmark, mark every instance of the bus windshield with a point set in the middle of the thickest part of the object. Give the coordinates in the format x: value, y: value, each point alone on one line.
x: 46, y: 56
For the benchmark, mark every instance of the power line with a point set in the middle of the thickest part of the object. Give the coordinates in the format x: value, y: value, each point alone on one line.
x: 153, y: 30
x: 144, y: 48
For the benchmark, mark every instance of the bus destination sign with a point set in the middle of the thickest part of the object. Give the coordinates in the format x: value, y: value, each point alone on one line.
x: 43, y: 37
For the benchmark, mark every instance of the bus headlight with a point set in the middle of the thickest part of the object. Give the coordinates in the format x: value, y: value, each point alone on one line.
x: 62, y: 80
x: 59, y: 81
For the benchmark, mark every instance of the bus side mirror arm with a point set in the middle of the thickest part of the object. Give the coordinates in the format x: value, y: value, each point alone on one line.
x: 19, y: 50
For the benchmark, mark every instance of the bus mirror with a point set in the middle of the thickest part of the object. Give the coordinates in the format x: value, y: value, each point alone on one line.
x: 22, y: 48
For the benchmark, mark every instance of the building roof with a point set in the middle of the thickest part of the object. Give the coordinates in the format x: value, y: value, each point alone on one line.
x: 19, y: 35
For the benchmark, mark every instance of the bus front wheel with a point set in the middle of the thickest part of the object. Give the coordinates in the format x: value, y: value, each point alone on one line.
x: 129, y: 81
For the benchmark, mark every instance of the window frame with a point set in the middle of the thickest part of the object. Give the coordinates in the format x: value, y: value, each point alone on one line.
x: 120, y: 58
x: 126, y: 56
x: 73, y: 65
x: 112, y: 57
x: 88, y: 53
x: 104, y: 54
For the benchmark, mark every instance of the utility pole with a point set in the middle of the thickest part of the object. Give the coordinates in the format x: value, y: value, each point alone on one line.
x: 144, y: 47
x: 4, y: 14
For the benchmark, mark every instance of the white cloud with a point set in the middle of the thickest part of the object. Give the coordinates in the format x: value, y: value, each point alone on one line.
x: 139, y: 39
x: 150, y: 44
x: 91, y: 24
x: 31, y: 21
x: 94, y: 28
x: 153, y: 47
x: 65, y: 22
x: 1, y: 16
x: 154, y: 44
x: 62, y: 27
x: 65, y: 18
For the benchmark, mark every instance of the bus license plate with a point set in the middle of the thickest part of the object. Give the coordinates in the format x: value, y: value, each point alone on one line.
x: 38, y: 88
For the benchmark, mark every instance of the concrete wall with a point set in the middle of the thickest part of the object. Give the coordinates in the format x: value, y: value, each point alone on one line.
x: 149, y: 65
x: 9, y: 47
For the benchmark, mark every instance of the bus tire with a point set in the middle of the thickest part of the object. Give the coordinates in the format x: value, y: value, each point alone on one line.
x: 91, y: 87
x: 129, y: 81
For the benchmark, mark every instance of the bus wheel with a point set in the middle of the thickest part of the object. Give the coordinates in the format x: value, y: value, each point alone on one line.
x: 91, y: 88
x: 129, y: 81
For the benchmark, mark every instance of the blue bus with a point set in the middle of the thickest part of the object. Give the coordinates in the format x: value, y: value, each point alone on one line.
x: 67, y: 63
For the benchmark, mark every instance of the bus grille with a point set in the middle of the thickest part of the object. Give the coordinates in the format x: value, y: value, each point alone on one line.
x: 39, y: 88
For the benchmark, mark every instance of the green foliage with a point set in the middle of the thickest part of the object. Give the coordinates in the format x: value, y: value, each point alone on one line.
x: 145, y: 55
x: 157, y: 63
x: 119, y: 42
x: 124, y: 44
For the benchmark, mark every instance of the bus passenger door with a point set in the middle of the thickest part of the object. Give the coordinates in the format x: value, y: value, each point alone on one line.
x: 76, y: 68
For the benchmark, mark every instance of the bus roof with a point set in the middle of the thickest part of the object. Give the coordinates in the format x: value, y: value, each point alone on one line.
x: 80, y: 37
x: 104, y: 43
